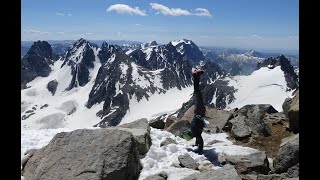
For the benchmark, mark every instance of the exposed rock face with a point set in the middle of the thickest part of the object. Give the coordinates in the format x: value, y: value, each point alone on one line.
x: 86, y: 154
x: 52, y: 86
x: 141, y: 133
x: 271, y: 177
x: 293, y: 114
x: 79, y: 58
x: 255, y: 162
x: 189, y: 50
x: 254, y: 118
x: 178, y: 127
x: 36, y: 62
x: 293, y: 171
x: 106, y: 51
x: 227, y: 172
x: 286, y: 106
x: 187, y: 161
x: 288, y: 155
x: 160, y: 176
x: 289, y: 74
x: 239, y: 128
x: 157, y: 123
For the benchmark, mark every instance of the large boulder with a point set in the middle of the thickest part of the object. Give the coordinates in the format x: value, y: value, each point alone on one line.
x: 271, y: 177
x: 286, y: 106
x: 217, y: 119
x: 255, y: 118
x: 178, y: 127
x: 239, y: 128
x: 187, y: 161
x: 227, y: 172
x: 170, y: 120
x: 157, y: 123
x: 288, y: 155
x: 160, y: 176
x: 293, y: 114
x: 293, y: 171
x: 86, y: 154
x: 141, y: 133
x: 254, y: 162
x: 52, y: 86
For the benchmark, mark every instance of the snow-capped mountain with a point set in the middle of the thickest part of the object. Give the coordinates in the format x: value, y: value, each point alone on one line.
x: 36, y: 62
x: 107, y: 84
x: 188, y: 49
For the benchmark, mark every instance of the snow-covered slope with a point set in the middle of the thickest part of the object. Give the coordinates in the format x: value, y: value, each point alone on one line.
x: 264, y: 86
x: 64, y: 108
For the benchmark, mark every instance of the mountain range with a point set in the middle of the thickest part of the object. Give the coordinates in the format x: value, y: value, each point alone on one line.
x: 85, y: 84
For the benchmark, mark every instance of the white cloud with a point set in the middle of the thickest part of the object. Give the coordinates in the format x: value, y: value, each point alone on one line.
x: 60, y: 32
x: 125, y: 9
x: 60, y: 14
x: 256, y: 36
x: 202, y: 12
x: 33, y: 31
x: 138, y: 24
x: 169, y: 11
x: 69, y: 14
x: 88, y: 33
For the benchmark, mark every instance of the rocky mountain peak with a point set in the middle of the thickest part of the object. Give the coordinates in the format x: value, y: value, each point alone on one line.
x: 282, y: 61
x: 36, y: 62
x: 106, y: 51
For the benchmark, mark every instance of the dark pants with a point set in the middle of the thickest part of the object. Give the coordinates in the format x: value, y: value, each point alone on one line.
x: 197, y: 124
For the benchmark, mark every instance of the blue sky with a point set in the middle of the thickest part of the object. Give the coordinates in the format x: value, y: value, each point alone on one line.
x: 263, y: 24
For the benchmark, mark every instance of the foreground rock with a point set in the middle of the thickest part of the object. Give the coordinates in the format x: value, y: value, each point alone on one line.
x: 293, y: 114
x: 271, y: 177
x: 178, y: 127
x: 86, y: 154
x: 255, y: 162
x: 160, y: 176
x: 288, y: 155
x: 227, y: 172
x: 167, y: 141
x: 141, y: 133
x: 187, y: 161
x: 157, y: 123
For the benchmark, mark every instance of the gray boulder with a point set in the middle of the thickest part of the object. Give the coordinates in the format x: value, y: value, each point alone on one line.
x: 52, y: 86
x: 293, y: 171
x: 217, y: 119
x: 160, y: 176
x: 86, y: 154
x: 288, y: 155
x: 286, y: 106
x: 141, y: 133
x: 239, y: 128
x: 178, y: 127
x: 167, y: 141
x: 254, y: 162
x: 255, y: 118
x: 157, y: 123
x: 28, y: 154
x: 293, y: 114
x: 227, y: 172
x: 271, y: 177
x: 139, y: 124
x: 187, y: 161
x: 170, y: 120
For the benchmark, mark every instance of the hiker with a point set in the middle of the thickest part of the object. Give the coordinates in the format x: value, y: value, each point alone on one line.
x: 198, y: 121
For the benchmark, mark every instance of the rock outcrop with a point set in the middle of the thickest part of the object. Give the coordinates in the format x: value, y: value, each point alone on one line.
x: 86, y: 154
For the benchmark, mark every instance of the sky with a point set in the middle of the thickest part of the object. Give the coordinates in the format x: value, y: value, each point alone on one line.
x: 270, y: 24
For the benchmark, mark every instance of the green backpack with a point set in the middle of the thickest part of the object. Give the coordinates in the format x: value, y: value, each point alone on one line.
x: 186, y: 134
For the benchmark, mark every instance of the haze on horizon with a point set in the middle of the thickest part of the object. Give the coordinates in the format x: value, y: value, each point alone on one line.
x: 246, y: 24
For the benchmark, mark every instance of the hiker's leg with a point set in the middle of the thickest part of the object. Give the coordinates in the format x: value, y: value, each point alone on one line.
x: 198, y: 95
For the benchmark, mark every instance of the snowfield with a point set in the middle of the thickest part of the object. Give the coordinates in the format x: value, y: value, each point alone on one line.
x: 264, y: 86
